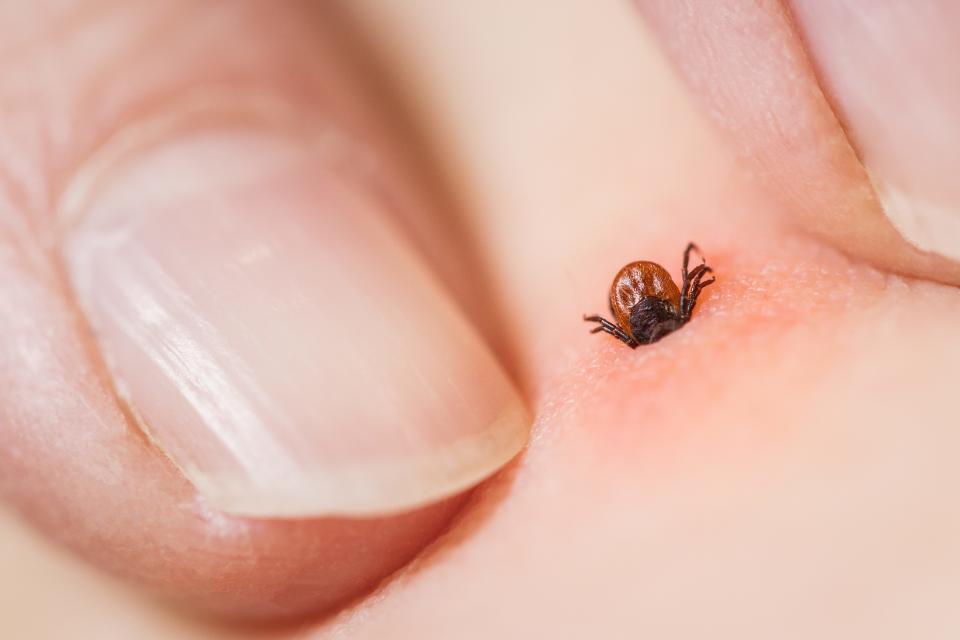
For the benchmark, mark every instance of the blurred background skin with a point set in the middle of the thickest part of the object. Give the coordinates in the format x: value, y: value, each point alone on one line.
x: 782, y: 467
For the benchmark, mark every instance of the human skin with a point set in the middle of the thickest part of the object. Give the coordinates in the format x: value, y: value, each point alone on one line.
x: 780, y: 467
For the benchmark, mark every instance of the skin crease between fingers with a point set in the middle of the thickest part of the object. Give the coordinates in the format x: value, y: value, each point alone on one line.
x: 774, y: 469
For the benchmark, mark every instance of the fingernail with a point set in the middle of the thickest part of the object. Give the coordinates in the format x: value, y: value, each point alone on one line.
x: 889, y: 67
x: 277, y: 338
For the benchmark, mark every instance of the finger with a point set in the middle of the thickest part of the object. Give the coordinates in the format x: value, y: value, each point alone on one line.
x: 888, y: 69
x: 223, y: 272
x: 39, y: 578
x: 748, y: 66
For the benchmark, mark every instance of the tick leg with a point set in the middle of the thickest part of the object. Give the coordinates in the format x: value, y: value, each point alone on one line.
x: 686, y: 287
x: 696, y: 286
x: 686, y: 259
x: 608, y: 327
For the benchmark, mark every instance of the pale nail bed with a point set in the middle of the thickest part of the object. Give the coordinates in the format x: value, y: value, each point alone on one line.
x: 276, y: 336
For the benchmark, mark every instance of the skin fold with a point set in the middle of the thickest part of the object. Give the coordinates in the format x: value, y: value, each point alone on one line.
x: 779, y: 467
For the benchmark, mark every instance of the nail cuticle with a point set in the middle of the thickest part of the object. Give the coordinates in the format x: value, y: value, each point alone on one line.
x: 206, y: 110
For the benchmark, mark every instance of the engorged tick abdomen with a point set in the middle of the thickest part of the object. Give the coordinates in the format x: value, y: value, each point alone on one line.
x: 635, y: 281
x: 647, y: 304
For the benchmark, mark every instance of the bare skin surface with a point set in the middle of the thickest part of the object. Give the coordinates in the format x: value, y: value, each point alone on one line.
x: 779, y: 467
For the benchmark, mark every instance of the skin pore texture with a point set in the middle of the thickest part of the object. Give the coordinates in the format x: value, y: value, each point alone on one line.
x: 779, y: 467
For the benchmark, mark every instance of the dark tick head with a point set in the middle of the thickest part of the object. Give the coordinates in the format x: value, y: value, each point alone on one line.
x: 652, y: 318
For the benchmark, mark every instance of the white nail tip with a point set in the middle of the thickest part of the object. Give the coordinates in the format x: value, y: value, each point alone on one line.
x: 928, y: 226
x: 375, y: 489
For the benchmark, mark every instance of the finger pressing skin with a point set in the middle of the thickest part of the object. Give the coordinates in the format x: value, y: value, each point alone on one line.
x: 888, y: 68
x: 751, y: 71
x: 209, y: 311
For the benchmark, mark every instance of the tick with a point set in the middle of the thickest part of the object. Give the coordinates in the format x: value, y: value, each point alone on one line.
x: 646, y: 303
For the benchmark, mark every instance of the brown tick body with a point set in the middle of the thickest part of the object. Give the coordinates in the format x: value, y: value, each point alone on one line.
x: 646, y: 303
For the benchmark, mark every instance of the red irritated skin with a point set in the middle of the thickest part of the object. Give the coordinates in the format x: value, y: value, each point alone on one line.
x: 782, y: 457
